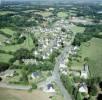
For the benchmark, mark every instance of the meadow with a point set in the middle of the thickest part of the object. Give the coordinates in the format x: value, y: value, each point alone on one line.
x: 7, y: 31
x: 93, y: 50
x: 62, y: 14
x: 5, y: 57
x: 28, y: 43
x: 8, y: 94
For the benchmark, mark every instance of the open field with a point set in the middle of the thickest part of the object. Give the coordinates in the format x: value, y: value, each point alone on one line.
x: 6, y: 12
x: 28, y: 43
x: 44, y: 13
x: 2, y: 38
x: 7, y: 31
x: 7, y: 94
x: 5, y: 57
x: 62, y: 14
x: 78, y: 29
x: 93, y: 50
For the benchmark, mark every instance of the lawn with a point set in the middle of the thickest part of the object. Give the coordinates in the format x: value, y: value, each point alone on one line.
x: 5, y: 57
x: 7, y: 31
x: 93, y: 50
x: 8, y: 94
x: 62, y: 14
x: 28, y: 43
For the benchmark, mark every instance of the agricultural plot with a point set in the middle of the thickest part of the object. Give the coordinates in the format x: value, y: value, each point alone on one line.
x: 44, y: 14
x: 5, y: 57
x: 7, y: 31
x: 93, y: 50
x: 6, y: 12
x: 78, y: 29
x: 28, y: 43
x: 8, y: 94
x: 2, y: 38
x: 62, y: 14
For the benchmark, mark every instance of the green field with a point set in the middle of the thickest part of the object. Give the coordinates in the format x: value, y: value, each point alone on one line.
x: 62, y: 14
x: 5, y: 57
x: 44, y: 13
x: 78, y: 29
x: 93, y: 50
x: 2, y: 38
x: 6, y: 12
x: 7, y: 31
x: 28, y: 43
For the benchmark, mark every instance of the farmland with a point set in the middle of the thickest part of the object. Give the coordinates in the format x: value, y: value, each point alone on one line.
x: 5, y: 57
x: 93, y: 50
x: 7, y: 31
x: 28, y: 43
x: 2, y: 38
x: 6, y: 12
x: 44, y: 14
x: 62, y: 14
x: 7, y: 94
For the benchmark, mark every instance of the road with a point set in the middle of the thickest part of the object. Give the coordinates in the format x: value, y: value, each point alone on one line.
x: 56, y: 74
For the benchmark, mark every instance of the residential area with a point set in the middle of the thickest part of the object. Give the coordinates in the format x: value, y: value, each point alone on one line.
x: 50, y: 51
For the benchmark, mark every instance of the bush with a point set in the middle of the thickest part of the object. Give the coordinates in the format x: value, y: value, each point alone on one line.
x: 34, y: 86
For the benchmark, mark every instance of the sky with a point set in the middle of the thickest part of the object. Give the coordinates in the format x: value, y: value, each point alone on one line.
x: 53, y: 0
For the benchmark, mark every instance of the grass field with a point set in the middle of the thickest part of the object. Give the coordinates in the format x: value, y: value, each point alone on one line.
x: 28, y: 43
x: 7, y: 94
x: 93, y: 50
x: 44, y: 13
x: 78, y: 29
x: 2, y: 38
x: 5, y: 57
x: 7, y: 31
x: 62, y: 14
x: 6, y: 12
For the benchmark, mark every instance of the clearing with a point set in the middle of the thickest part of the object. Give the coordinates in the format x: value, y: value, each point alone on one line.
x: 8, y: 94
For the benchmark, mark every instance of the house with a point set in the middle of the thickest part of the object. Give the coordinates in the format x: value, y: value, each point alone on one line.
x: 49, y: 88
x: 85, y: 71
x: 63, y: 66
x: 7, y: 73
x: 35, y: 75
x: 29, y: 61
x: 83, y: 88
x: 65, y: 72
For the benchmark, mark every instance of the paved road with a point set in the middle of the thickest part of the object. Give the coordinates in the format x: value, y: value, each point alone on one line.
x: 56, y: 74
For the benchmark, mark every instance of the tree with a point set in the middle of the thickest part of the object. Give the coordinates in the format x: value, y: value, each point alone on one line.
x: 22, y: 54
x: 34, y: 86
x: 99, y: 97
x: 0, y: 79
x: 63, y: 30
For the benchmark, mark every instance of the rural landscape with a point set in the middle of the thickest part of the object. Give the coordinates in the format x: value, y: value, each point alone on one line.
x: 50, y: 50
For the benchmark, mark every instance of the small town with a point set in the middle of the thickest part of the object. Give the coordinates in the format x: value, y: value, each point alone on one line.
x: 50, y: 50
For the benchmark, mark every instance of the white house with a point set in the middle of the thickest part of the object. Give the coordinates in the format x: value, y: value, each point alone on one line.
x: 49, y: 88
x: 35, y: 75
x: 83, y: 88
